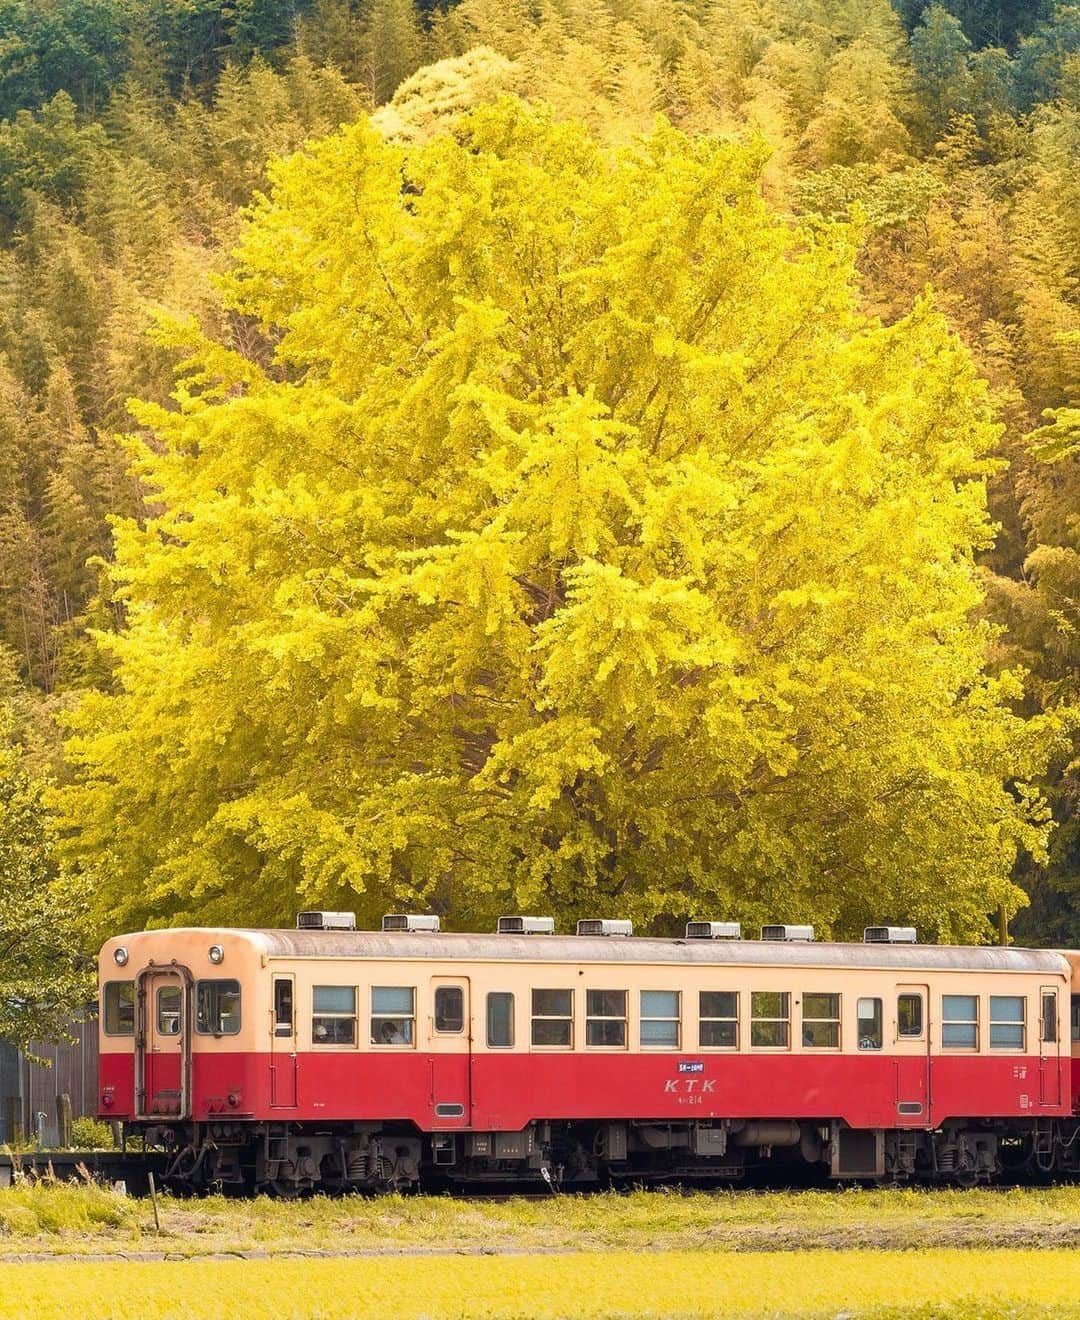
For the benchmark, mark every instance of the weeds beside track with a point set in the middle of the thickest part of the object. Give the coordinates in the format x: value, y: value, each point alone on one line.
x: 53, y: 1219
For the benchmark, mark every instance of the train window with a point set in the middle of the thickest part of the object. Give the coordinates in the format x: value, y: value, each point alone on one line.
x: 168, y: 1010
x: 393, y: 1014
x: 1008, y: 1014
x: 868, y: 1023
x: 500, y: 1020
x: 909, y: 1018
x: 118, y: 1014
x: 333, y: 1015
x: 217, y: 1008
x: 605, y: 1017
x: 659, y: 1018
x: 718, y: 1019
x: 770, y: 1015
x: 821, y: 1021
x: 283, y: 1006
x: 960, y: 1021
x: 449, y: 1008
x: 553, y: 1017
x: 1049, y: 1016
x: 1075, y: 1017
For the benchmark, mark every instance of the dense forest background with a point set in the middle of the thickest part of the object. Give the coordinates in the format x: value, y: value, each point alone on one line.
x: 133, y: 132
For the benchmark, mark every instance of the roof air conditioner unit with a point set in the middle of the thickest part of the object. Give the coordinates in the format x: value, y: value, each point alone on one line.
x: 791, y: 933
x: 326, y: 921
x: 713, y: 930
x: 889, y: 935
x: 411, y: 921
x: 526, y: 926
x: 597, y: 926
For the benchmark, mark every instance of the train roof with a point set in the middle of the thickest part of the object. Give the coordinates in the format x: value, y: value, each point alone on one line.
x: 375, y: 945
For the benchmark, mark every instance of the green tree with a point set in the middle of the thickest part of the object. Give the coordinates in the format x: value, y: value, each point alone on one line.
x: 44, y: 975
x: 939, y: 54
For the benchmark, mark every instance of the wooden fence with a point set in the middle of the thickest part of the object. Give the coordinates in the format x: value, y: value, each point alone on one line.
x: 28, y: 1088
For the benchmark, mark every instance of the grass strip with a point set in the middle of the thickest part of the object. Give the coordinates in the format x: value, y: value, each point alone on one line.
x: 61, y: 1218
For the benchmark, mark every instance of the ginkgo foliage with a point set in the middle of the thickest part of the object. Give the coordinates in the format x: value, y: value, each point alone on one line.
x: 563, y: 540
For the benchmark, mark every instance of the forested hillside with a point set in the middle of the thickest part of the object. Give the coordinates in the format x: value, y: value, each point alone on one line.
x: 645, y: 541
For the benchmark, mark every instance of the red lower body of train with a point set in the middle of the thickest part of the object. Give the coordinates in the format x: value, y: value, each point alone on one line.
x: 334, y: 1121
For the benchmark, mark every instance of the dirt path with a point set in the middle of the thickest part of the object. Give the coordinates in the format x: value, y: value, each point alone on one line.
x: 728, y: 1239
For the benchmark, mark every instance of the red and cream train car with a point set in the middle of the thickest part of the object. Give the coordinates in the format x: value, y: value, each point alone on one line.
x: 332, y: 1058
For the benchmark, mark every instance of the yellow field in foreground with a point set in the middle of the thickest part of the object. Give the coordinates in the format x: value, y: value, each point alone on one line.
x: 796, y: 1284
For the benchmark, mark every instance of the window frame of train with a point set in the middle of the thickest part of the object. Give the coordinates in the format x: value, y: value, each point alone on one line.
x: 606, y: 1029
x: 284, y: 1006
x: 393, y: 1013
x: 762, y: 1019
x: 821, y: 1023
x: 444, y: 1019
x: 548, y: 1020
x: 209, y: 992
x: 118, y: 1010
x: 336, y: 1016
x: 1008, y: 1032
x: 716, y: 1025
x: 660, y: 1030
x: 913, y: 1027
x: 506, y: 1027
x: 1074, y: 1018
x: 963, y: 1030
x: 167, y: 1019
x: 1048, y: 1021
x: 870, y: 1022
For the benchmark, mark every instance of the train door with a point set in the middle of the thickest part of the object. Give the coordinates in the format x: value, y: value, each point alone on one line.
x: 1049, y: 1047
x: 912, y: 1061
x: 450, y: 1056
x: 283, y: 1059
x: 163, y: 1043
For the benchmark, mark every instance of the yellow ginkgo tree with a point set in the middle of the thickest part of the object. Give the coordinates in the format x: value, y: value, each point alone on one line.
x: 555, y: 535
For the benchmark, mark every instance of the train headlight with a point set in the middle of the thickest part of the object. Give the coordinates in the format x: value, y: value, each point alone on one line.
x: 121, y: 956
x: 217, y: 953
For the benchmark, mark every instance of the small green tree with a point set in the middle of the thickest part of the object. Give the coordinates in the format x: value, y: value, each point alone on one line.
x: 939, y: 53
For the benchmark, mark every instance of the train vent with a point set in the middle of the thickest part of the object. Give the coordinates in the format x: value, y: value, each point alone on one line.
x: 604, y: 926
x: 414, y: 922
x: 526, y: 926
x: 713, y: 930
x: 889, y: 935
x: 326, y: 921
x: 791, y: 933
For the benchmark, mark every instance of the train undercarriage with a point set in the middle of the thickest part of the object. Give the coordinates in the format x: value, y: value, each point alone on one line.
x: 294, y: 1159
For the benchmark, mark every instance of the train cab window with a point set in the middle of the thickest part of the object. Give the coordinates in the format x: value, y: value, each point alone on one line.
x: 1049, y: 1017
x: 553, y: 1017
x: 960, y: 1022
x: 1008, y: 1014
x: 118, y: 1013
x: 449, y: 1008
x: 770, y: 1019
x: 217, y: 1008
x: 909, y: 1015
x: 393, y: 1014
x: 821, y: 1021
x: 868, y: 1020
x: 1074, y: 1014
x: 500, y: 1020
x: 168, y: 1010
x: 605, y: 1017
x: 283, y: 1006
x: 718, y: 1019
x: 660, y: 1015
x: 333, y: 1015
